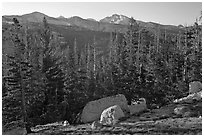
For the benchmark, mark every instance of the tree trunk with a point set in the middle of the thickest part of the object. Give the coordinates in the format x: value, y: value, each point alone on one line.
x: 25, y: 118
x: 56, y: 106
x: 185, y: 59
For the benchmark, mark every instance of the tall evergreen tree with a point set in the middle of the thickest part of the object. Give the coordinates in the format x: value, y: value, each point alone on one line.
x: 18, y: 80
x: 52, y: 70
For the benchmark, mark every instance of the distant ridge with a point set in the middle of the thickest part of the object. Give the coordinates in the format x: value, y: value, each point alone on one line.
x: 114, y: 22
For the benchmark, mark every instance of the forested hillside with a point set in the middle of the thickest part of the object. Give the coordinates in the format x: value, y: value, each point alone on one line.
x: 41, y: 69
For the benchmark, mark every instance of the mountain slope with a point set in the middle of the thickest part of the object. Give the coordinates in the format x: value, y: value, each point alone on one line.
x: 35, y: 17
x: 124, y: 20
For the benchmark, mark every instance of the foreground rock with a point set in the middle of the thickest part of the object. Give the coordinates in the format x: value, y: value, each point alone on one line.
x: 195, y: 93
x: 188, y: 107
x: 193, y: 109
x: 182, y: 110
x: 111, y: 115
x: 192, y: 104
x: 92, y: 111
x: 195, y: 87
x: 162, y: 121
x: 96, y: 125
x: 138, y: 106
x: 190, y: 98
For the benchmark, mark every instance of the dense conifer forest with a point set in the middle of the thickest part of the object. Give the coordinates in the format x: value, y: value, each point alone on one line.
x: 43, y: 71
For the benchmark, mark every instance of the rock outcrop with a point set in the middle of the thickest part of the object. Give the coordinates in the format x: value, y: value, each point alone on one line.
x: 111, y: 115
x: 195, y: 93
x: 138, y: 106
x: 92, y: 111
x: 190, y: 98
x: 96, y: 125
x: 195, y: 87
x: 181, y: 110
x: 190, y: 105
x: 189, y: 109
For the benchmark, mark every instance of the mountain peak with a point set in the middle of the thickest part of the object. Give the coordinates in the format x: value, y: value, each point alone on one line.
x: 61, y: 17
x: 91, y: 19
x: 75, y: 17
x: 116, y: 19
x: 36, y: 13
x: 115, y: 15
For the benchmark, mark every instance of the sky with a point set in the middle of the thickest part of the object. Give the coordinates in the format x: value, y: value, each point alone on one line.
x: 168, y: 13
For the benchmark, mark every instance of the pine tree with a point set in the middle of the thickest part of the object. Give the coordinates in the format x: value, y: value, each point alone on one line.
x: 193, y: 53
x: 52, y: 70
x: 18, y: 80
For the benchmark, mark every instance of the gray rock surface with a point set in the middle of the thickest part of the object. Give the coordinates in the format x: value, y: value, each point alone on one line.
x: 181, y: 110
x: 138, y: 107
x: 92, y: 111
x: 195, y: 87
x: 111, y: 115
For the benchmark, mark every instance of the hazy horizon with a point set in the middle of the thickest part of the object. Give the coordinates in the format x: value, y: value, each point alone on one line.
x: 167, y: 13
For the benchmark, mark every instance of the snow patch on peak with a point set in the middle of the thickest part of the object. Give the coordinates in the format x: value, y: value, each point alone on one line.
x: 116, y: 19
